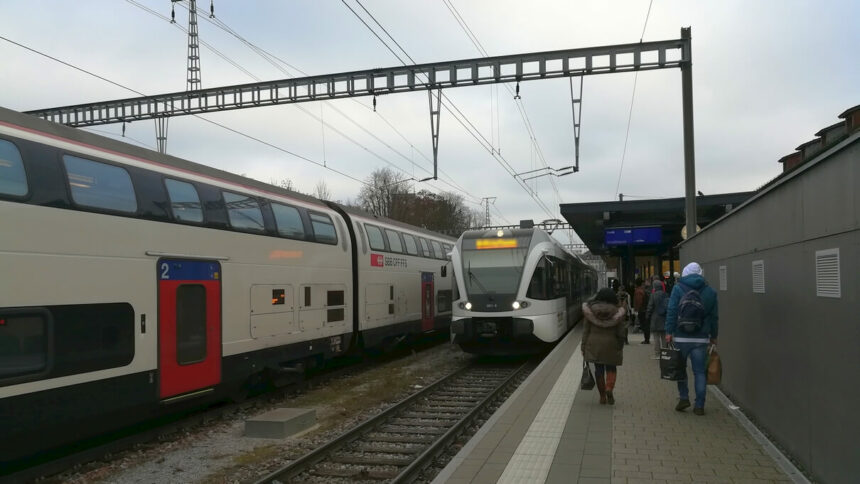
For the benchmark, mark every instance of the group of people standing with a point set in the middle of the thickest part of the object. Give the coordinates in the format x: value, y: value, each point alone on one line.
x: 606, y: 323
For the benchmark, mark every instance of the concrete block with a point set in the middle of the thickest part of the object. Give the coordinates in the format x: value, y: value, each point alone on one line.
x: 280, y: 423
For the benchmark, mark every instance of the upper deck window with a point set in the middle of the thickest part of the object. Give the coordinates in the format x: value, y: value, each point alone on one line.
x: 394, y: 241
x: 244, y: 212
x: 425, y: 247
x: 99, y: 185
x: 289, y: 221
x: 184, y: 201
x: 437, y: 250
x: 411, y: 246
x: 323, y: 228
x: 374, y: 236
x: 13, y: 180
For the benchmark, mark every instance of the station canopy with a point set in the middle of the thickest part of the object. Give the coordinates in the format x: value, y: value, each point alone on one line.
x: 648, y: 227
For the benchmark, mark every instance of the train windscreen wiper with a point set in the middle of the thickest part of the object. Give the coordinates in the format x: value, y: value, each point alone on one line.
x: 473, y: 276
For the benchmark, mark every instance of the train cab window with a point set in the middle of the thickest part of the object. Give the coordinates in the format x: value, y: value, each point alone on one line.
x: 190, y: 324
x: 184, y: 201
x: 446, y: 249
x: 538, y: 284
x: 244, y: 212
x: 425, y: 247
x: 374, y: 236
x: 394, y: 241
x: 323, y: 228
x: 99, y: 185
x: 437, y: 250
x: 13, y: 179
x: 289, y: 221
x: 411, y: 246
x: 23, y: 345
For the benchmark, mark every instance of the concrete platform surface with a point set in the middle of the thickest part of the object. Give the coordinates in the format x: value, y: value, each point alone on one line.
x: 550, y: 431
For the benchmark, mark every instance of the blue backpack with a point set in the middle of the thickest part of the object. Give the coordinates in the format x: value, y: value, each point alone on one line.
x: 691, y: 311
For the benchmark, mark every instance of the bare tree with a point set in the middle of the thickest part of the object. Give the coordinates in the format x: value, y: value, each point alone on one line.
x: 284, y: 183
x: 383, y: 186
x: 321, y: 191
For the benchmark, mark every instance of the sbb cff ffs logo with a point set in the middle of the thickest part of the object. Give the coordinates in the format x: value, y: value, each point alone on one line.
x: 377, y: 260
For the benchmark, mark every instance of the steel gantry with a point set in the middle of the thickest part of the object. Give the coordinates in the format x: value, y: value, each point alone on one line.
x: 436, y: 76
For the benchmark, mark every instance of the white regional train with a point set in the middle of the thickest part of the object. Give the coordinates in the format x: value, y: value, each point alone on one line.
x: 517, y: 291
x: 134, y: 283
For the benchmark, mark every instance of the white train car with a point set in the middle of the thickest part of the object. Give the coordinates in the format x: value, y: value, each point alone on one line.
x: 135, y: 283
x: 518, y: 291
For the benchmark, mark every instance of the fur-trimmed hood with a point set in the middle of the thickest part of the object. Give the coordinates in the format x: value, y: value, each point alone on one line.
x: 603, y: 314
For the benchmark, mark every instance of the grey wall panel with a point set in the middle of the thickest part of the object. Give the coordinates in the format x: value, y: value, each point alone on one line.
x: 792, y: 358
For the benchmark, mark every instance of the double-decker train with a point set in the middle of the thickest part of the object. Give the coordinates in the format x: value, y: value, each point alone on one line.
x: 134, y: 283
x: 516, y: 291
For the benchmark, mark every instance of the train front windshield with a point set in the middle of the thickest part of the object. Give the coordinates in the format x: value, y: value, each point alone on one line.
x: 493, y: 269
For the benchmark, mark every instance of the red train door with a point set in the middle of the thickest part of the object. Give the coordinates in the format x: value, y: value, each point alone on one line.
x: 189, y: 326
x: 427, y: 301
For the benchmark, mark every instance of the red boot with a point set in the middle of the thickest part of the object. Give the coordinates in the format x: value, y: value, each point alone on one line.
x: 610, y: 385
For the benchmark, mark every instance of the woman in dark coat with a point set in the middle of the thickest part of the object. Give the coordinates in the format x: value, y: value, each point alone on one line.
x: 603, y: 340
x: 656, y: 314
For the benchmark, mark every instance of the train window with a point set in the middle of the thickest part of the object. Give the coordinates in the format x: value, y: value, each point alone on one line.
x: 307, y: 296
x: 394, y: 241
x: 244, y: 212
x: 425, y: 247
x: 323, y: 228
x: 90, y: 337
x: 374, y: 235
x: 538, y: 284
x: 446, y: 249
x: 184, y: 201
x: 190, y: 324
x: 278, y: 297
x: 437, y: 250
x: 335, y: 298
x: 411, y: 246
x: 99, y: 185
x: 13, y: 179
x: 23, y: 345
x: 289, y: 221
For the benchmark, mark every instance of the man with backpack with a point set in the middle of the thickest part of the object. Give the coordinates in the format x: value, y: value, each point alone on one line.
x: 692, y: 323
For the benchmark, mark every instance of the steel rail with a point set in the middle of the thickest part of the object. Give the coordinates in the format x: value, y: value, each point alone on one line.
x: 436, y: 448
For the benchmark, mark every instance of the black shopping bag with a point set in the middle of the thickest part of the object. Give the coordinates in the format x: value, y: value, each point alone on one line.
x: 587, y: 381
x: 672, y: 365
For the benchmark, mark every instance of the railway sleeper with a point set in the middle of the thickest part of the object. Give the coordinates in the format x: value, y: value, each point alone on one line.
x: 430, y: 416
x: 371, y: 460
x: 473, y: 389
x: 353, y: 473
x: 420, y: 422
x: 376, y: 446
x: 444, y: 410
x: 392, y: 428
x: 401, y: 439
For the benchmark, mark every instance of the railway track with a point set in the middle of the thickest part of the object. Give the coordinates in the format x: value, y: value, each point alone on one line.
x: 396, y: 445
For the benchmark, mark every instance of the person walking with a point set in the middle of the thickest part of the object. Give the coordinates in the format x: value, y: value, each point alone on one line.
x: 655, y: 314
x: 603, y: 338
x: 640, y: 303
x: 692, y: 322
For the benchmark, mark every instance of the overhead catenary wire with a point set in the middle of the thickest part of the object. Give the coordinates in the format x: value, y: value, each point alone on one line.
x: 275, y: 60
x: 630, y: 113
x: 461, y: 21
x: 233, y: 130
x: 456, y: 113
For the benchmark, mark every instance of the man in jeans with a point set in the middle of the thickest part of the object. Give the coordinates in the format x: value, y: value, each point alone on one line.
x: 698, y: 327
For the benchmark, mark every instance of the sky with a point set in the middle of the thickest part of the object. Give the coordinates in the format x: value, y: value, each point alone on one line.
x: 766, y: 76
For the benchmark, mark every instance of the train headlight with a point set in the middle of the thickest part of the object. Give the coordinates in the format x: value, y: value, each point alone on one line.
x: 466, y: 305
x: 516, y: 305
x: 520, y: 304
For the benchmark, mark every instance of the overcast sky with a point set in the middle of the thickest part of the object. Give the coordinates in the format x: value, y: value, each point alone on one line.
x: 767, y: 75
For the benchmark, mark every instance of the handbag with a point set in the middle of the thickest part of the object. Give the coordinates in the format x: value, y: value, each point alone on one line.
x: 672, y: 365
x: 715, y: 366
x: 587, y: 380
